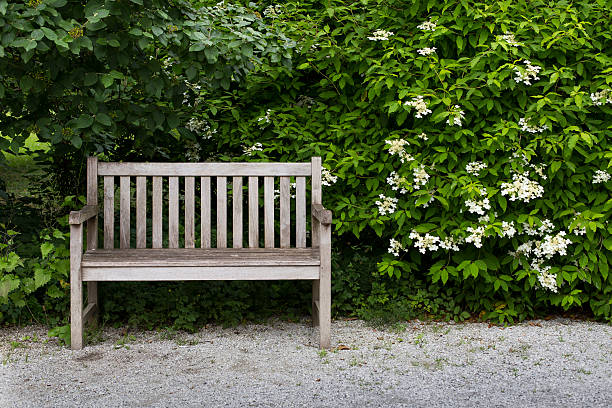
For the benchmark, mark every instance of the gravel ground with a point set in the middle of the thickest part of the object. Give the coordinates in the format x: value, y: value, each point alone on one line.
x: 558, y: 362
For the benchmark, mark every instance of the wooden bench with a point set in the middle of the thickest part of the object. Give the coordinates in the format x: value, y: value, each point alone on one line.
x: 159, y: 253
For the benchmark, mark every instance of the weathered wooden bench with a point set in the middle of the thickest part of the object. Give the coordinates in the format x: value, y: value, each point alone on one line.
x: 161, y: 255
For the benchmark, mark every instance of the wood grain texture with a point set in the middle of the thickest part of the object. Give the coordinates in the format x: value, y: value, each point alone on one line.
x: 109, y: 212
x: 201, y: 273
x: 253, y: 212
x: 325, y: 286
x: 315, y: 197
x: 189, y: 212
x: 124, y: 212
x: 156, y: 216
x: 205, y: 213
x: 300, y: 212
x: 92, y: 199
x: 285, y: 212
x: 237, y: 212
x: 141, y: 212
x: 204, y: 169
x: 269, y: 212
x: 173, y: 212
x: 221, y: 212
x: 321, y: 214
x: 76, y: 287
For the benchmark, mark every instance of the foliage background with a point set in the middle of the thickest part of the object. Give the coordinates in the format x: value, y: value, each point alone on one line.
x: 321, y: 87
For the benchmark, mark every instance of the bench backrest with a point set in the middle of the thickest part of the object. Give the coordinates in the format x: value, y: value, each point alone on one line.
x: 167, y: 196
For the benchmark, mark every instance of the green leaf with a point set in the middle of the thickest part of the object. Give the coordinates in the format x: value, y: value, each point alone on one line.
x: 41, y: 277
x: 76, y: 141
x: 37, y: 34
x: 83, y: 121
x: 90, y: 78
x: 104, y: 119
x: 45, y: 248
x: 107, y: 80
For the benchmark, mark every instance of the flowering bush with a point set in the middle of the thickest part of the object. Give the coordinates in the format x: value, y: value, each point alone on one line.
x: 472, y: 141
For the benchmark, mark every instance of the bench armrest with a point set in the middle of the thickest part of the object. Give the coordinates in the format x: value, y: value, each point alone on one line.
x: 85, y: 213
x: 323, y: 215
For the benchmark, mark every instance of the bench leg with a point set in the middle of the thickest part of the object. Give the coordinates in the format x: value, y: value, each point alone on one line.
x: 76, y: 287
x: 315, y: 303
x: 92, y: 299
x: 325, y: 287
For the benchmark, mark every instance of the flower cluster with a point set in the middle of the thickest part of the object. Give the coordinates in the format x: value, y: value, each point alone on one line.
x: 395, y: 247
x: 201, y: 127
x: 380, y: 35
x: 273, y: 11
x: 508, y: 37
x: 526, y: 127
x: 420, y: 177
x: 427, y: 26
x: 450, y: 243
x: 419, y: 104
x: 425, y: 242
x: 476, y: 235
x: 327, y: 179
x: 265, y: 120
x: 508, y: 229
x: 396, y: 146
x: 192, y: 152
x: 426, y: 51
x: 551, y: 245
x: 456, y: 116
x: 249, y: 151
x: 422, y: 136
x: 601, y: 97
x: 387, y: 205
x: 546, y: 279
x: 601, y: 176
x: 397, y: 183
x: 522, y: 188
x: 527, y: 74
x: 478, y: 207
x: 475, y: 167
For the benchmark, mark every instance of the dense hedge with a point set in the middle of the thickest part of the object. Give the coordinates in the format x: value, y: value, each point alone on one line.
x: 468, y: 149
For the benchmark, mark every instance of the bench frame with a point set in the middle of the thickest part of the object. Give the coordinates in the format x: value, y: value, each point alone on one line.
x: 88, y: 215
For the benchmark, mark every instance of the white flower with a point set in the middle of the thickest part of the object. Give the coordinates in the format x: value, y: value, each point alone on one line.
x: 539, y: 169
x: 527, y: 74
x: 475, y: 167
x: 425, y: 242
x: 478, y: 207
x: 397, y: 183
x: 427, y: 26
x: 251, y: 150
x: 450, y: 243
x: 601, y: 177
x: 420, y: 177
x: 201, y: 127
x: 395, y: 247
x: 273, y: 11
x: 422, y: 136
x: 525, y: 127
x: 508, y: 37
x: 522, y: 188
x: 419, y: 104
x: 327, y: 179
x: 387, y: 205
x: 426, y: 51
x: 546, y: 227
x: 265, y: 120
x: 551, y: 245
x: 396, y: 146
x: 455, y: 117
x: 508, y: 229
x: 380, y: 35
x: 476, y: 235
x: 601, y: 97
x: 548, y: 280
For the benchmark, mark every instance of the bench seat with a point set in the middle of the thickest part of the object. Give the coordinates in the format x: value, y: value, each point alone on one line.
x: 166, y: 264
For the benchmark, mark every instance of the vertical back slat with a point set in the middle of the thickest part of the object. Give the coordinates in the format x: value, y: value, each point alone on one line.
x: 285, y: 212
x: 189, y: 212
x: 269, y: 212
x: 156, y: 219
x: 109, y: 212
x: 237, y: 212
x: 316, y: 197
x: 253, y: 212
x: 173, y: 212
x: 300, y: 212
x: 141, y: 212
x: 124, y: 212
x: 92, y: 199
x: 221, y: 212
x: 205, y: 212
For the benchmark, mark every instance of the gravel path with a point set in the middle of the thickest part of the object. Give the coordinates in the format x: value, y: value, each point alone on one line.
x: 540, y: 363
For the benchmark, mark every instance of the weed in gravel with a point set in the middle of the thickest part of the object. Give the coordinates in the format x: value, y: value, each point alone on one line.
x: 583, y: 371
x: 123, y: 341
x: 322, y: 353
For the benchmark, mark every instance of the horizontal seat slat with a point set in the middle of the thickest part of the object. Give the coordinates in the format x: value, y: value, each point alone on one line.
x: 201, y: 273
x: 204, y: 169
x: 198, y: 257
